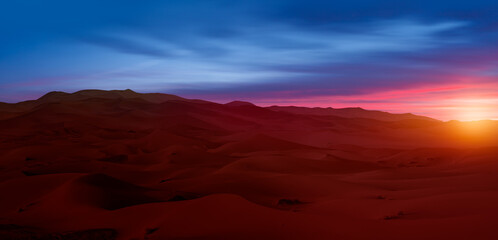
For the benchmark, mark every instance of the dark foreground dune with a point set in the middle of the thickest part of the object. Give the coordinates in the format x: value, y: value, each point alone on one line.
x: 123, y: 165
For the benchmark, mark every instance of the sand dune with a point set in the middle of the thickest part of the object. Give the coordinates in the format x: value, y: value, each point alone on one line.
x: 124, y: 165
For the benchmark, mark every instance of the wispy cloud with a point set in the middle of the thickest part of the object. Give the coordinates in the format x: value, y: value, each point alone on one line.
x: 126, y: 45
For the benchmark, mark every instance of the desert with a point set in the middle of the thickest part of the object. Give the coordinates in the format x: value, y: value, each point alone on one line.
x: 119, y: 164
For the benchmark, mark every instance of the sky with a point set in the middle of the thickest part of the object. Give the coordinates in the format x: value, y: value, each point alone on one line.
x: 435, y: 58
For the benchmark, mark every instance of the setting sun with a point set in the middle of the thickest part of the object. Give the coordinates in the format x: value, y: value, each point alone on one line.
x: 473, y: 109
x: 473, y: 113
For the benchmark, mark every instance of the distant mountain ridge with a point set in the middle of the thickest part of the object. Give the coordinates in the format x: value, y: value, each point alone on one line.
x: 112, y: 94
x: 353, y: 112
x: 58, y: 96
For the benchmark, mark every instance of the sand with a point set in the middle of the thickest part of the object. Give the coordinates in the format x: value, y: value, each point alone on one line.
x: 124, y: 165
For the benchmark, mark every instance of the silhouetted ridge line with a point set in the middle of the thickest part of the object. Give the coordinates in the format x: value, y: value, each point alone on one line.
x: 59, y: 96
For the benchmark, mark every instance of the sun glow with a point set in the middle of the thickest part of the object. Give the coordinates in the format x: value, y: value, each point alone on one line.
x: 473, y: 114
x: 476, y: 132
x: 474, y: 109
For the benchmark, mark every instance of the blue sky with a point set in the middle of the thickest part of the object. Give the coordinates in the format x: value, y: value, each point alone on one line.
x: 432, y: 54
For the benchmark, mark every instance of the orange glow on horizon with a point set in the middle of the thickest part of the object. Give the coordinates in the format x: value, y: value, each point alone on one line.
x: 474, y: 109
x: 476, y: 132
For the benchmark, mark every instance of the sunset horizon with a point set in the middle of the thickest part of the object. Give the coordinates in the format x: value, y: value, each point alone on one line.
x: 465, y: 113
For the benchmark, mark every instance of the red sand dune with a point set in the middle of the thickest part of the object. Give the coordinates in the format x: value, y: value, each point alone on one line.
x: 123, y: 165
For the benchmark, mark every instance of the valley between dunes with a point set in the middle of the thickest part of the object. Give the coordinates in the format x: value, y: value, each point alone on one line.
x: 123, y: 165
